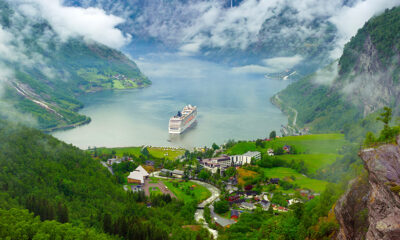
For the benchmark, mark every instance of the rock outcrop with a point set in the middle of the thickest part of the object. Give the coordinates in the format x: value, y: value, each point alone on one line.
x: 370, y: 209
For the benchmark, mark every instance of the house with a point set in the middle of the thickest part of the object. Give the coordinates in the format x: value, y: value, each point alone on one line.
x: 138, y: 176
x: 247, y: 205
x: 274, y: 180
x: 222, y: 222
x: 293, y: 201
x: 178, y: 173
x: 166, y: 172
x: 111, y: 161
x: 270, y: 152
x: 265, y: 204
x: 286, y: 148
x: 235, y: 214
x: 149, y: 163
x: 239, y: 160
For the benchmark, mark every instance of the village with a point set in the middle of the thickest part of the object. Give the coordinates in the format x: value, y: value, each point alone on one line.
x: 221, y: 171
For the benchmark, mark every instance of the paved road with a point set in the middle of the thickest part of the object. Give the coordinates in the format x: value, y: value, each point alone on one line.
x: 199, y: 214
x: 109, y: 168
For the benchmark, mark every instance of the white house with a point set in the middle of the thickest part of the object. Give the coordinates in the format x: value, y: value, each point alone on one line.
x: 239, y: 160
x: 138, y: 175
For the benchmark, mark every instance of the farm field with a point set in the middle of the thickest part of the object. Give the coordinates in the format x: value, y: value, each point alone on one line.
x: 300, y: 179
x: 187, y: 191
x: 316, y: 151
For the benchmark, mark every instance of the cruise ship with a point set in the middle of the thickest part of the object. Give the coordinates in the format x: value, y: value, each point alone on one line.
x: 183, y: 120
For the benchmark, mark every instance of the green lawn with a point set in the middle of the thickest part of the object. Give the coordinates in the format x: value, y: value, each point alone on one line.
x: 199, y: 192
x: 312, y: 161
x: 301, y: 180
x: 316, y: 151
x: 157, y: 152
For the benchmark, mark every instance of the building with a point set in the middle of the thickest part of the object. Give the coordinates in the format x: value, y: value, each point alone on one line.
x: 247, y: 205
x: 265, y: 204
x: 239, y: 160
x: 222, y: 222
x: 270, y: 152
x: 138, y: 176
x: 166, y: 172
x: 213, y: 164
x: 235, y: 214
x: 286, y: 148
x: 111, y: 161
x: 178, y: 173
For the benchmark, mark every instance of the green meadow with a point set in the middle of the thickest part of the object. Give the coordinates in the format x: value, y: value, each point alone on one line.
x: 300, y: 179
x: 187, y: 191
x: 316, y: 151
x: 157, y: 152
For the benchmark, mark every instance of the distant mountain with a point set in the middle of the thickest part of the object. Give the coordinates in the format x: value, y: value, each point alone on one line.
x: 365, y: 79
x: 284, y: 32
x: 47, y: 73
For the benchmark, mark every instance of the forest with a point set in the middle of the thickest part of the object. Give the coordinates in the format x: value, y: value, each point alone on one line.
x: 64, y: 186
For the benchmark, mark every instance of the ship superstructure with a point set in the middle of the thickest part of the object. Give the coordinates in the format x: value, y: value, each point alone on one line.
x: 183, y: 120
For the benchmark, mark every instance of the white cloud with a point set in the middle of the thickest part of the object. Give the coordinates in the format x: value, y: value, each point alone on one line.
x: 258, y: 69
x: 91, y: 23
x: 282, y: 63
x: 270, y: 65
x: 349, y: 19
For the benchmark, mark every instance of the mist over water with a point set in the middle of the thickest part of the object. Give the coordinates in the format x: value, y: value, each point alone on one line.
x: 231, y: 105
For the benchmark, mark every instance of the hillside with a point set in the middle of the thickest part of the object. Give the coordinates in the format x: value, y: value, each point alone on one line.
x: 47, y: 73
x: 59, y: 182
x: 348, y: 94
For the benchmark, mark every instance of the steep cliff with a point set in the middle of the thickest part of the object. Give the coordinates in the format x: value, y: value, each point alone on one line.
x: 371, y: 207
x: 365, y: 79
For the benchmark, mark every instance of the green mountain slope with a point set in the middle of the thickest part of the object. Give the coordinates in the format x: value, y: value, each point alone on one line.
x: 48, y: 72
x: 366, y: 80
x: 59, y: 182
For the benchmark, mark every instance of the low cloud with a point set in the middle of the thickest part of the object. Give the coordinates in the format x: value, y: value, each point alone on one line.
x: 256, y: 69
x: 349, y: 19
x: 280, y: 64
x: 193, y: 25
x: 91, y: 23
x: 271, y: 65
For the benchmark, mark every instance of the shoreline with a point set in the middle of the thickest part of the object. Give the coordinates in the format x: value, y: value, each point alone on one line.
x: 88, y: 119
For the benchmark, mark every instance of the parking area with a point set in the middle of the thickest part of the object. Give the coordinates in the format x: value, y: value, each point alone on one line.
x: 160, y: 185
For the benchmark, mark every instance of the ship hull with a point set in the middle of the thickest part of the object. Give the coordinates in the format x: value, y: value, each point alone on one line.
x: 180, y: 123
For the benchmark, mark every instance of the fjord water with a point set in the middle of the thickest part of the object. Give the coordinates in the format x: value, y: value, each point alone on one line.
x: 231, y: 105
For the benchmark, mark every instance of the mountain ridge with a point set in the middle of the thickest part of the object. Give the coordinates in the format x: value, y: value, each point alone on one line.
x: 49, y: 73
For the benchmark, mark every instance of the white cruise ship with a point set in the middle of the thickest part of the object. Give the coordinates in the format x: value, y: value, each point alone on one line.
x: 183, y: 120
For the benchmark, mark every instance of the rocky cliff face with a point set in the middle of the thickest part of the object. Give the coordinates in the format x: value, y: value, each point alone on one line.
x: 371, y: 207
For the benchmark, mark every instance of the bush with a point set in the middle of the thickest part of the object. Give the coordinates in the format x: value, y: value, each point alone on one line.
x: 221, y: 207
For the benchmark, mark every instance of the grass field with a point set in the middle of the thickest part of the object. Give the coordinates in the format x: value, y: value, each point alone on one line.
x: 316, y: 151
x: 183, y: 191
x: 243, y: 173
x: 157, y: 152
x: 301, y: 180
x: 312, y: 161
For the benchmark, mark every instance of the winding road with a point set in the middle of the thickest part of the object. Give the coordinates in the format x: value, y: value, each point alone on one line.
x: 199, y: 214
